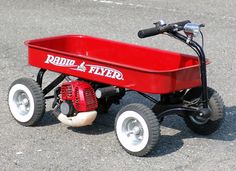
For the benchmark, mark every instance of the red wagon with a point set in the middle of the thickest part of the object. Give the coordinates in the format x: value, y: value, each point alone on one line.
x: 120, y: 64
x: 105, y: 70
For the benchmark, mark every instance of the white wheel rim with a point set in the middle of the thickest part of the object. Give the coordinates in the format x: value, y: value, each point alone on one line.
x: 21, y: 103
x: 132, y: 131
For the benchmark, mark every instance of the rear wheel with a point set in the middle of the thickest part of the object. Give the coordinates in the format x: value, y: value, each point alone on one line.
x: 26, y: 101
x: 206, y: 126
x: 137, y: 129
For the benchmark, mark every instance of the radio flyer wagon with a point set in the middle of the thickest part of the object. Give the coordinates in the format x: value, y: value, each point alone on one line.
x: 105, y: 70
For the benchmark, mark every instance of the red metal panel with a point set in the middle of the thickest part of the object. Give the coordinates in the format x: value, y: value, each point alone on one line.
x: 125, y: 65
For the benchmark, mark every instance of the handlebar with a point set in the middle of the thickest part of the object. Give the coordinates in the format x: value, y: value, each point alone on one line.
x: 148, y: 32
x: 159, y: 29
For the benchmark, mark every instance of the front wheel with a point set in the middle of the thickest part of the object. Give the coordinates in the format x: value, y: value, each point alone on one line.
x: 137, y: 129
x: 26, y: 101
x: 206, y: 126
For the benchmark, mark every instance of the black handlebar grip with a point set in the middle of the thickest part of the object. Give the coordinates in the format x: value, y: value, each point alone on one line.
x: 148, y: 32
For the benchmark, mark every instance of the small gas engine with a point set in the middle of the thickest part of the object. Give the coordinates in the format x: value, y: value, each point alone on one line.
x: 77, y: 104
x: 77, y: 96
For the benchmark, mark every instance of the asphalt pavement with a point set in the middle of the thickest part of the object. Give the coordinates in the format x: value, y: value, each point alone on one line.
x: 54, y: 146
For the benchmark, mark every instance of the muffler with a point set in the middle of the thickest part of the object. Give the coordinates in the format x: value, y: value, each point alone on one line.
x: 81, y: 119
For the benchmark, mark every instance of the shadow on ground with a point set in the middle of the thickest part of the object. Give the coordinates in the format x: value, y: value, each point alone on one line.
x: 103, y: 124
x: 167, y: 143
x: 48, y: 119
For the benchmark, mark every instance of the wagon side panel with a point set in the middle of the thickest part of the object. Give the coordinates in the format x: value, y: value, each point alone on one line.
x: 80, y: 66
x: 88, y: 69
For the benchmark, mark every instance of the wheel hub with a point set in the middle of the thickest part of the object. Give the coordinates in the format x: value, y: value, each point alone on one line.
x: 133, y: 130
x: 25, y: 101
x: 22, y: 102
x: 136, y: 130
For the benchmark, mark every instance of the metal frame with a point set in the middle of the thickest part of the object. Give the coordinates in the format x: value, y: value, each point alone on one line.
x: 179, y: 109
x: 200, y: 52
x: 50, y: 86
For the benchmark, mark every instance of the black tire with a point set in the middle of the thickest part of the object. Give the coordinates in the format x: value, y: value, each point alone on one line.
x: 206, y: 126
x: 26, y: 101
x: 137, y: 129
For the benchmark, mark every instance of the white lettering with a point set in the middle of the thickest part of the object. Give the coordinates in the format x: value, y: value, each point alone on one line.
x: 117, y: 75
x: 92, y: 69
x: 109, y: 73
x: 63, y: 61
x: 49, y: 59
x: 58, y: 61
x: 71, y: 62
x: 106, y: 72
x: 103, y: 70
x: 96, y: 71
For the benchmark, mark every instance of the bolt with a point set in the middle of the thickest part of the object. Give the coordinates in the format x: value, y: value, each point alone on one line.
x: 25, y: 101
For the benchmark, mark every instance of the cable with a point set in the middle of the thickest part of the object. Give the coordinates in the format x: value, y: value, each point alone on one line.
x: 148, y: 97
x: 182, y: 38
x: 202, y: 39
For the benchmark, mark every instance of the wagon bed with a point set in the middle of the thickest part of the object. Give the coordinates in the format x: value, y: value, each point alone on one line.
x: 124, y: 65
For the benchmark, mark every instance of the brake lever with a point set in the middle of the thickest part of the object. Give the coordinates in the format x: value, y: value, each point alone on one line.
x: 160, y: 23
x: 201, y: 25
